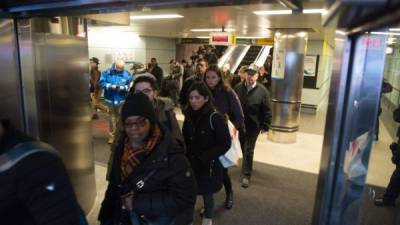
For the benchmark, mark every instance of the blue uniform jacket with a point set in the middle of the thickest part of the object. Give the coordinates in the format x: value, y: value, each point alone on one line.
x: 110, y: 77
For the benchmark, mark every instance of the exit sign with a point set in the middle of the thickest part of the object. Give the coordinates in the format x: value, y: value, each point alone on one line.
x: 222, y: 38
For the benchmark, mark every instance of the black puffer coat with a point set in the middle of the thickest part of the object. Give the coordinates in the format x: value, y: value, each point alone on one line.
x: 204, y: 145
x: 171, y: 191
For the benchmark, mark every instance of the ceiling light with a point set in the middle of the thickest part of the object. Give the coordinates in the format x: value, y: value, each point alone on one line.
x: 315, y: 11
x: 386, y: 33
x: 340, y: 32
x: 272, y: 12
x: 161, y: 16
x: 203, y: 37
x: 212, y: 30
x: 394, y: 29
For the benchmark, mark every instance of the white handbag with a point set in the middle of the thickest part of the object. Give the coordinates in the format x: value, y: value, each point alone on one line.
x: 232, y: 156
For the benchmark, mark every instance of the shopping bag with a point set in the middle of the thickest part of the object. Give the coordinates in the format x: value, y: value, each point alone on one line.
x: 231, y: 157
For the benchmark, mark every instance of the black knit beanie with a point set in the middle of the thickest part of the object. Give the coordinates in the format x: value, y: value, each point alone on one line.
x: 138, y: 104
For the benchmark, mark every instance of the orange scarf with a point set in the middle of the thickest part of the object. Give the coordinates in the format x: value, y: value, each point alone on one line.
x: 131, y: 157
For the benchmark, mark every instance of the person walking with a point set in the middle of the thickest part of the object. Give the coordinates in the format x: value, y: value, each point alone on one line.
x: 95, y: 91
x: 255, y: 102
x: 201, y: 68
x: 151, y: 179
x: 146, y: 83
x: 207, y: 137
x: 156, y: 71
x: 227, y: 103
x: 116, y: 83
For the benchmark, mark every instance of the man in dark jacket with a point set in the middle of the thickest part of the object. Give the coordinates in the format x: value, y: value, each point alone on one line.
x: 151, y: 177
x: 201, y: 68
x: 255, y: 102
x: 35, y: 189
x: 95, y: 91
x: 156, y: 71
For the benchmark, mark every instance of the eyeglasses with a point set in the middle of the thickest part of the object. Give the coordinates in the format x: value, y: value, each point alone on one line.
x: 138, y: 123
x: 144, y: 91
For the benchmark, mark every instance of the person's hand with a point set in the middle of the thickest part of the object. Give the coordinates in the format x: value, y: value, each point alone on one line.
x: 127, y: 200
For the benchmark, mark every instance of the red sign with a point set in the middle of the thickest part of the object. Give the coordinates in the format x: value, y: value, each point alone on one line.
x: 220, y: 38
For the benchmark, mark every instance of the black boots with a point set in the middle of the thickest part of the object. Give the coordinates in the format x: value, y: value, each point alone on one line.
x: 381, y: 202
x: 229, y: 200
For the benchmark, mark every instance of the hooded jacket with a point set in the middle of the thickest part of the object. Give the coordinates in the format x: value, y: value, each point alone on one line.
x: 121, y: 79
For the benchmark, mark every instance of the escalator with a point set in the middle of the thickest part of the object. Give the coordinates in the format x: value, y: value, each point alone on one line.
x: 250, y: 56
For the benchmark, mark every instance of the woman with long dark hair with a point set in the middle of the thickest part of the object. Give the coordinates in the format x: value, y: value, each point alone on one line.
x: 227, y: 103
x: 207, y: 138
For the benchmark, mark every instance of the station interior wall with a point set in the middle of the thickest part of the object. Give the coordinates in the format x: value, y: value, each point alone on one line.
x: 111, y: 43
x: 391, y: 101
x: 318, y: 97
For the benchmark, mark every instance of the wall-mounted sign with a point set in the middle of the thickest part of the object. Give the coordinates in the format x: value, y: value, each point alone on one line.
x: 222, y: 38
x: 310, y: 65
x: 278, y: 63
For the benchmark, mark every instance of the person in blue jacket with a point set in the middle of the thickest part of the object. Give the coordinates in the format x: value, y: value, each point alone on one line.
x: 116, y: 83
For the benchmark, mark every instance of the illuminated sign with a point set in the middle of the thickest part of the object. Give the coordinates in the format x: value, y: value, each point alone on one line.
x: 222, y: 38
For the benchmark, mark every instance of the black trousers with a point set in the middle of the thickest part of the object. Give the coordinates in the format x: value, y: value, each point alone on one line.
x: 248, y: 143
x: 227, y: 182
x: 393, y: 189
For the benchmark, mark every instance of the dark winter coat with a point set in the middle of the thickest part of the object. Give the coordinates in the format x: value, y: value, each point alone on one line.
x: 158, y: 73
x: 171, y: 191
x: 24, y: 197
x: 256, y: 107
x: 228, y: 103
x: 204, y: 145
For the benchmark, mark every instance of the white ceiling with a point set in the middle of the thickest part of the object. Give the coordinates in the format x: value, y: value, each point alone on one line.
x: 239, y: 17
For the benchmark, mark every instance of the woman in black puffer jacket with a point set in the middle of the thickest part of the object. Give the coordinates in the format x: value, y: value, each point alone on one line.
x: 207, y: 137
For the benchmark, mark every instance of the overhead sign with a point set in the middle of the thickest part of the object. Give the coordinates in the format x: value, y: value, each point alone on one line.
x: 265, y: 41
x: 222, y: 38
x: 194, y: 41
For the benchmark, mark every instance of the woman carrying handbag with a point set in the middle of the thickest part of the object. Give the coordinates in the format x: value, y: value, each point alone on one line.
x: 207, y: 137
x: 227, y: 103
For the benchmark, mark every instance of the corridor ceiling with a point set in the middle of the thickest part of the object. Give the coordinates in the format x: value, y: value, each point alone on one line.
x: 238, y: 17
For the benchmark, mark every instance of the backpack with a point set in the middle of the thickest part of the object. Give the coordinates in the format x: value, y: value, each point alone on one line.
x: 23, y: 150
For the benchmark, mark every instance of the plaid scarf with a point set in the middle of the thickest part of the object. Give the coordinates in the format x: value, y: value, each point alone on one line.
x: 131, y: 158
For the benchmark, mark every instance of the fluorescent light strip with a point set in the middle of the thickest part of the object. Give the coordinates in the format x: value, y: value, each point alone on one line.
x: 394, y: 29
x: 386, y: 33
x: 212, y: 30
x: 203, y: 37
x: 161, y: 16
x: 340, y: 32
x: 315, y: 11
x: 273, y: 12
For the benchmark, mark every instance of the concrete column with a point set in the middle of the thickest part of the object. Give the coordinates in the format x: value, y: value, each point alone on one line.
x: 287, y: 84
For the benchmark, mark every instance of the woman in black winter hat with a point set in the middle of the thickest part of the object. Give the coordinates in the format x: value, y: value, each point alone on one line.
x: 151, y: 179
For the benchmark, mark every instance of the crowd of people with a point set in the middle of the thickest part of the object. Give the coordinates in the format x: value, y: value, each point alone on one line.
x: 156, y: 169
x: 176, y: 165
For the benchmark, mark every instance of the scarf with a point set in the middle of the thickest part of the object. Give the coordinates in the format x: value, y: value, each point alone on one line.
x: 131, y: 158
